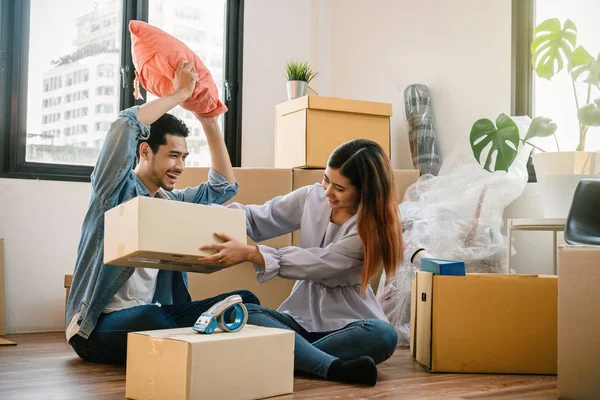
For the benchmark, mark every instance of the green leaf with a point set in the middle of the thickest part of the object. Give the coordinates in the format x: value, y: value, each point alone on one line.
x: 590, y: 114
x: 580, y: 57
x: 552, y: 46
x: 299, y: 71
x: 591, y: 67
x: 484, y: 133
x: 541, y: 127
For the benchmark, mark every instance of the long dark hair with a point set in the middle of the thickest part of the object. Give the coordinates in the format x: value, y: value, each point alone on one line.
x: 369, y: 169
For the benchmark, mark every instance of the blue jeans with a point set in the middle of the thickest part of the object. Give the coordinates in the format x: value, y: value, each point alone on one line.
x: 315, y: 351
x: 108, y: 341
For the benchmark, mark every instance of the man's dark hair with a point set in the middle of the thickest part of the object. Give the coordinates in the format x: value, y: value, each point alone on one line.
x: 166, y: 125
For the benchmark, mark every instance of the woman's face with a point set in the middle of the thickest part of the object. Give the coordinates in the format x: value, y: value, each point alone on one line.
x: 340, y: 192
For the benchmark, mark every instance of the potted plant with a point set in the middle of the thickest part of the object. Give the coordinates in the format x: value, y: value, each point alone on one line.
x: 299, y: 75
x: 554, y: 48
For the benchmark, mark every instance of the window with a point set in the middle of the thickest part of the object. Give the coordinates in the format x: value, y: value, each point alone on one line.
x: 104, y: 109
x: 105, y: 91
x: 554, y: 99
x: 197, y: 41
x: 216, y: 62
x: 106, y: 71
x: 59, y: 55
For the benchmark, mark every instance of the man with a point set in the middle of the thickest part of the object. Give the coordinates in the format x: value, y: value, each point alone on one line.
x: 106, y: 301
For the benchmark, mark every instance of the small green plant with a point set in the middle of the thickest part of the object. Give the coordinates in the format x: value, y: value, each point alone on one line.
x: 299, y: 71
x: 503, y: 140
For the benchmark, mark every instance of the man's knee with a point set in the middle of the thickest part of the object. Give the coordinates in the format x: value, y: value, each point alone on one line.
x: 148, y: 318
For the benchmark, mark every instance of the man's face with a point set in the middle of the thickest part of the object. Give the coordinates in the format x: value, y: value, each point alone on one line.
x: 163, y: 168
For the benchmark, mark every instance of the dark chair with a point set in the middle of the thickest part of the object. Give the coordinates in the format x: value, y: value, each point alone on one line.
x: 583, y: 222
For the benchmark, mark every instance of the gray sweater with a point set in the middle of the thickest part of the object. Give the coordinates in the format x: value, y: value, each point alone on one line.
x: 327, y: 266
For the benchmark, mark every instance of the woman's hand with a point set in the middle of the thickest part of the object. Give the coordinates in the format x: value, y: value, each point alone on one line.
x: 228, y: 253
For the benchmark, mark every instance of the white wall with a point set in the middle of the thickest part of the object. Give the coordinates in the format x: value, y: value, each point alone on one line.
x: 40, y: 222
x: 364, y: 49
x: 460, y: 49
x: 275, y: 31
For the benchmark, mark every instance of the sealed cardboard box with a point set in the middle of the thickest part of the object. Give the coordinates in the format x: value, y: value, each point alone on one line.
x: 2, y: 292
x: 579, y: 322
x: 180, y: 364
x: 309, y: 128
x: 256, y: 186
x: 486, y: 323
x: 155, y: 233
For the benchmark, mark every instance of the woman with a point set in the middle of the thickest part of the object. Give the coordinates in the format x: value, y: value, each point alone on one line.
x: 349, y: 228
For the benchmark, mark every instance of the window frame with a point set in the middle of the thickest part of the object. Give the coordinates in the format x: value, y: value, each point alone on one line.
x: 523, y: 20
x: 14, y: 63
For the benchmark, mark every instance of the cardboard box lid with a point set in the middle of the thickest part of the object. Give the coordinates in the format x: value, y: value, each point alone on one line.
x: 578, y: 247
x: 334, y: 104
x: 188, y: 335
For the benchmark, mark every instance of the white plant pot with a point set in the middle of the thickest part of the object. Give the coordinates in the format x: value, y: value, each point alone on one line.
x: 558, y: 174
x: 296, y: 89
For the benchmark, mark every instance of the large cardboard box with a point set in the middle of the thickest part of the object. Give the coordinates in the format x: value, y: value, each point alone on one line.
x: 155, y: 233
x: 579, y: 322
x: 256, y: 186
x: 486, y: 323
x: 309, y: 128
x: 403, y: 179
x: 2, y: 292
x: 180, y: 364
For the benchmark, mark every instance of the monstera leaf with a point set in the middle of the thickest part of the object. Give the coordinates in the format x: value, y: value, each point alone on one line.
x: 504, y: 140
x: 552, y: 45
x: 541, y: 127
x: 583, y: 62
x: 590, y: 114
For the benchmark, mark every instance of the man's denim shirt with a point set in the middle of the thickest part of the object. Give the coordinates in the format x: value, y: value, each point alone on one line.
x: 114, y: 182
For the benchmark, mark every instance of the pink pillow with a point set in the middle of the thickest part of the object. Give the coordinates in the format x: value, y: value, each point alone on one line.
x: 156, y: 55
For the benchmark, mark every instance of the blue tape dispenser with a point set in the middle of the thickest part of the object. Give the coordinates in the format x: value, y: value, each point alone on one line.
x: 215, y: 316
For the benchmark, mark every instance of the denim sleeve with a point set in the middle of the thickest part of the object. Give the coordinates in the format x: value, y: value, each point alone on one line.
x: 216, y: 191
x: 117, y: 156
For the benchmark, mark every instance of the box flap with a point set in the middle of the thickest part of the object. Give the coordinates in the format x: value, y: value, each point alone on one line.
x: 334, y: 104
x: 413, y: 317
x: 578, y: 247
x: 424, y: 298
x: 190, y: 336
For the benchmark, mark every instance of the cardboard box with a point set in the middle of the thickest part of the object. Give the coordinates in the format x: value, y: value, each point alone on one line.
x: 309, y: 128
x: 256, y: 186
x: 180, y: 364
x: 155, y: 233
x: 579, y: 322
x: 488, y: 323
x: 303, y: 177
x: 2, y: 292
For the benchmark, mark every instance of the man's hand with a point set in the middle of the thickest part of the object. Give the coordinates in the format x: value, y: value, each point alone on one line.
x: 185, y: 78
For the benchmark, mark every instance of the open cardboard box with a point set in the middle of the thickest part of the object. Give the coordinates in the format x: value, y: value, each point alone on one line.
x: 487, y: 323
